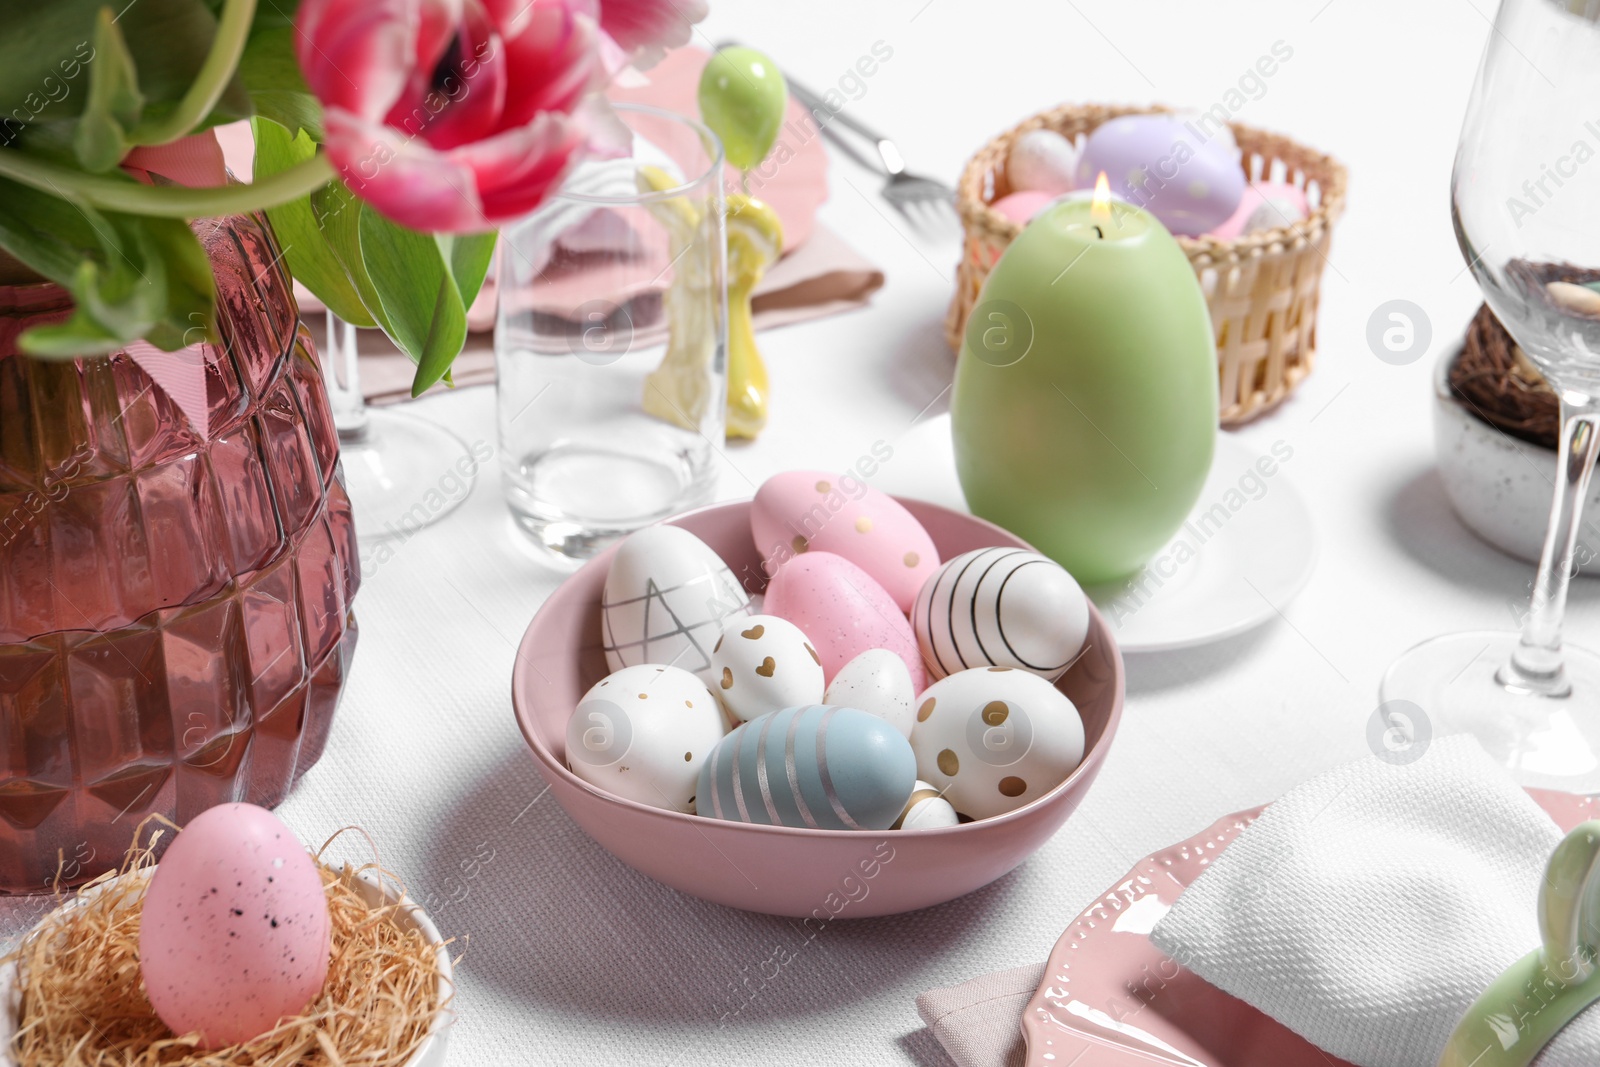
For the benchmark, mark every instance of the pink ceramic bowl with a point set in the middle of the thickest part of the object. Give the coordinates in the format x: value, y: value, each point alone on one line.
x: 777, y: 869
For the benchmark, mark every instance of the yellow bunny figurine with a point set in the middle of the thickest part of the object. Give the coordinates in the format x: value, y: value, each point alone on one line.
x: 755, y: 241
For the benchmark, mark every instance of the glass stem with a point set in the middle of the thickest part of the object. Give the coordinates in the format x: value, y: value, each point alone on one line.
x: 341, y: 369
x: 1536, y: 665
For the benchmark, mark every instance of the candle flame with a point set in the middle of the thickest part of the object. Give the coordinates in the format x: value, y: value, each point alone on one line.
x: 1100, y: 207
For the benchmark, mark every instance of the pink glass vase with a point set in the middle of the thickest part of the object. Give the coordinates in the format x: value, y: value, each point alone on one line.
x: 175, y: 621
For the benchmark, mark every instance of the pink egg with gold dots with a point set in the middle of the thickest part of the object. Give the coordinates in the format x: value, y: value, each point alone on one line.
x: 813, y: 511
x: 843, y: 611
x: 234, y: 930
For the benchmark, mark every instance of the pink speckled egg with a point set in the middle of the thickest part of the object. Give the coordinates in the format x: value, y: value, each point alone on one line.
x: 800, y: 511
x: 234, y: 933
x: 843, y: 611
x: 1021, y: 206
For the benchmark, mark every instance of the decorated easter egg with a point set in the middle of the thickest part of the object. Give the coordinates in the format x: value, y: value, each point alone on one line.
x: 643, y: 734
x: 234, y: 931
x: 742, y: 98
x: 763, y: 663
x: 843, y: 611
x: 818, y: 766
x: 926, y: 810
x: 878, y: 683
x: 993, y: 739
x: 1168, y: 166
x: 1020, y: 207
x: 1000, y: 607
x: 800, y: 511
x: 1264, y: 206
x: 666, y: 599
x: 1042, y: 160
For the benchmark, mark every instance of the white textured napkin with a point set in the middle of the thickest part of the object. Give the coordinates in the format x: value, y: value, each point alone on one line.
x: 1369, y: 907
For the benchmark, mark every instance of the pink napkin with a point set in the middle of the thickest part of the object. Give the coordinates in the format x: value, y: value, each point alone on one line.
x: 822, y: 277
x: 197, y: 162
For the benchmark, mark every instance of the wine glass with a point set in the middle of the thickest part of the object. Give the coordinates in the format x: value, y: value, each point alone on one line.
x: 402, y: 472
x: 1525, y: 200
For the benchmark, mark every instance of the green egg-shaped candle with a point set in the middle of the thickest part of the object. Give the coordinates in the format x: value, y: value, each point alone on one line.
x: 1085, y: 402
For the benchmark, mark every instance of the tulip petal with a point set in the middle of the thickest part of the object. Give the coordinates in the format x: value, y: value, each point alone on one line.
x: 651, y: 24
x: 355, y: 53
x: 555, y: 62
x: 517, y: 169
x: 403, y: 178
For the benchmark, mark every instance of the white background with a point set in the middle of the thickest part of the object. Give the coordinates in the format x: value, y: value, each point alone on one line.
x: 573, y: 957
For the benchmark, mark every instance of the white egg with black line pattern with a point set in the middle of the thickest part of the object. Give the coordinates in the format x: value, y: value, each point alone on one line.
x: 1000, y: 607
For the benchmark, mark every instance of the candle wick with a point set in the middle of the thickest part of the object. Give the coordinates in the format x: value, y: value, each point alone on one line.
x: 1098, y: 233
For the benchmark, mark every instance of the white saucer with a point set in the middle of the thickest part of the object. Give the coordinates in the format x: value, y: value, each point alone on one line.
x: 1248, y: 548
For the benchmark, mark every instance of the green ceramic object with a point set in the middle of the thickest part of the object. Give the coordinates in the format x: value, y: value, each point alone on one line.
x: 742, y: 98
x: 1085, y: 401
x: 1523, y: 1010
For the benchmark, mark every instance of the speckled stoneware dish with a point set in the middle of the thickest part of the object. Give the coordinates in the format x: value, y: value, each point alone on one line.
x: 431, y: 1053
x: 1501, y: 486
x: 782, y: 870
x: 1112, y: 999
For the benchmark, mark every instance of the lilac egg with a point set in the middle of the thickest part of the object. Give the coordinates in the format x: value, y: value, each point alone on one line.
x: 1174, y: 168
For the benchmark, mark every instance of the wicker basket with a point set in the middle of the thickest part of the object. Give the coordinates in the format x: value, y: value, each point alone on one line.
x: 1262, y: 289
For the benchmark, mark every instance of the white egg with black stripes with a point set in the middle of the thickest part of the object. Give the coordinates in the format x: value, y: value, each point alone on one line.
x: 1000, y: 607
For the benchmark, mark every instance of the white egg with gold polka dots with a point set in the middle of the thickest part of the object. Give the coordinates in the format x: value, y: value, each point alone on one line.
x: 800, y: 511
x: 993, y: 739
x: 643, y: 733
x: 762, y: 663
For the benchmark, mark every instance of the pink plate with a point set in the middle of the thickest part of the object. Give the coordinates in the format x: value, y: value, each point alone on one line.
x: 782, y: 870
x: 793, y: 180
x: 1112, y: 999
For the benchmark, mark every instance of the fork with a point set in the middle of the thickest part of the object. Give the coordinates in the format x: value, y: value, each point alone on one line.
x: 918, y: 198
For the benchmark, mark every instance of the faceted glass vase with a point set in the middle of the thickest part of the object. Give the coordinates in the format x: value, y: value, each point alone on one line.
x: 175, y: 621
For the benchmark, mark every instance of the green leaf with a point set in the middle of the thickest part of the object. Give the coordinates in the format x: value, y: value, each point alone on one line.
x: 271, y: 75
x: 114, y: 102
x: 305, y: 248
x: 338, y: 215
x: 427, y: 318
x: 469, y: 256
x: 47, y: 54
x: 130, y: 276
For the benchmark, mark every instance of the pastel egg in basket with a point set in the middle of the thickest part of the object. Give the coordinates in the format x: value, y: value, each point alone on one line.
x: 777, y: 869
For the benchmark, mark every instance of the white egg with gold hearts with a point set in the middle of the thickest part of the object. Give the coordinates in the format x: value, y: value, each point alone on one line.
x: 643, y: 734
x: 762, y: 663
x: 992, y: 739
x: 1000, y: 607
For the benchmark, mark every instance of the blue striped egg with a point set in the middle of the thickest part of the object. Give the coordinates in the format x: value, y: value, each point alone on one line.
x: 820, y: 766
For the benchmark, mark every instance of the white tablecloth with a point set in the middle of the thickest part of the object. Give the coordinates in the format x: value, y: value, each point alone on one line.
x: 573, y: 957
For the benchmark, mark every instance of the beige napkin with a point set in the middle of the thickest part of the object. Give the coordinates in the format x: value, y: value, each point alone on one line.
x: 822, y: 277
x: 979, y: 1023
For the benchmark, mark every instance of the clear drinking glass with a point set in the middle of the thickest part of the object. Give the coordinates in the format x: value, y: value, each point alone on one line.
x: 611, y: 343
x: 1526, y: 206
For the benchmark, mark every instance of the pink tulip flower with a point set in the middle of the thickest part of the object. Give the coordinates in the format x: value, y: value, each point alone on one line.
x: 455, y: 116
